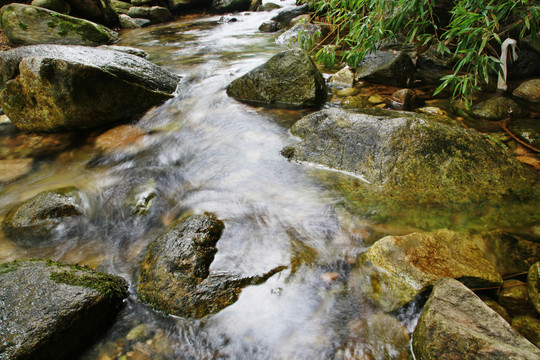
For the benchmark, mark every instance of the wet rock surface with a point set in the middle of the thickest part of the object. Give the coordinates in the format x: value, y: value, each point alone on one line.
x: 288, y: 79
x: 285, y: 17
x: 36, y: 220
x: 73, y: 87
x: 456, y: 323
x: 51, y: 311
x: 397, y: 269
x: 100, y: 11
x: 497, y: 108
x: 175, y: 275
x: 528, y: 90
x: 533, y: 285
x: 529, y: 327
x: 31, y: 25
x: 411, y: 157
x: 387, y: 67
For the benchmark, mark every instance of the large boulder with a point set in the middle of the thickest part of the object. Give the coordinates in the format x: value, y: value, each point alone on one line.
x: 456, y: 325
x: 221, y: 6
x: 175, y: 274
x: 288, y: 79
x: 387, y: 67
x: 411, y: 157
x: 50, y: 310
x: 60, y: 6
x: 30, y: 25
x: 285, y: 17
x: 37, y: 219
x: 397, y: 269
x: 100, y: 11
x: 74, y: 87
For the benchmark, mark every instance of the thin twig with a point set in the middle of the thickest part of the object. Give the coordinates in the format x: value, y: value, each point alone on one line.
x: 502, y: 123
x: 499, y: 287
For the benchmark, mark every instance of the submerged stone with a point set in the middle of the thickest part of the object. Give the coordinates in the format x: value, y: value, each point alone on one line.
x: 411, y: 157
x: 175, y: 275
x: 457, y: 325
x: 50, y: 310
x: 36, y: 220
x: 12, y: 169
x: 31, y: 25
x: 288, y: 79
x: 397, y: 269
x: 74, y: 87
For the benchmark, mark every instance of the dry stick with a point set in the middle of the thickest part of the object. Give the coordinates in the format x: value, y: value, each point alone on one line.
x: 513, y: 275
x: 326, y: 37
x: 502, y: 123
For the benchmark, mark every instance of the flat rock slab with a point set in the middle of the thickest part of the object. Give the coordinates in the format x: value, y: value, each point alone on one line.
x: 456, y: 325
x: 76, y: 87
x: 397, y: 269
x: 51, y: 311
x: 31, y: 25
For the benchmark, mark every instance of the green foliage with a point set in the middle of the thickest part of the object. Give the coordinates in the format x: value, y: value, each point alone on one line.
x: 467, y: 32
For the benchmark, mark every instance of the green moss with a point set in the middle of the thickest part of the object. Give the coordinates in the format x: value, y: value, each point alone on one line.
x: 110, y: 286
x: 52, y: 24
x: 23, y: 26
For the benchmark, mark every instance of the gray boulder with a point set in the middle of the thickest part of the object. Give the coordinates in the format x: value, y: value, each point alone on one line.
x: 50, y: 310
x: 175, y: 275
x: 397, y: 269
x: 100, y: 11
x: 221, y: 6
x: 387, y: 67
x: 74, y: 87
x: 36, y: 219
x: 30, y: 25
x: 60, y: 6
x: 288, y: 79
x: 497, y: 108
x: 456, y: 325
x: 303, y: 36
x: 285, y: 17
x: 411, y: 157
x: 156, y: 14
x: 528, y: 90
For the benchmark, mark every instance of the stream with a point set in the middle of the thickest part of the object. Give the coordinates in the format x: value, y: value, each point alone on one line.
x: 206, y: 152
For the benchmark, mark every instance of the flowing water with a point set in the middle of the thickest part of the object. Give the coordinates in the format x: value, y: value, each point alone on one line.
x: 206, y: 152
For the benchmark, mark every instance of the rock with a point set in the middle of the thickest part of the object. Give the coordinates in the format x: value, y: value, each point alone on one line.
x: 347, y: 92
x: 156, y: 14
x: 405, y: 99
x: 221, y: 6
x: 60, y: 6
x: 269, y: 6
x: 100, y: 11
x: 50, y: 310
x: 24, y: 145
x: 269, y: 26
x: 119, y: 138
x: 388, y: 68
x: 37, y: 219
x: 376, y: 99
x: 303, y: 36
x: 73, y: 87
x: 175, y: 274
x: 343, y: 78
x: 456, y: 324
x: 145, y: 2
x: 379, y: 336
x: 12, y: 169
x: 256, y: 5
x: 179, y: 5
x: 356, y: 102
x: 411, y: 157
x: 529, y: 327
x: 289, y: 79
x: 127, y: 22
x: 533, y: 286
x: 511, y: 253
x: 397, y: 269
x: 528, y: 90
x: 526, y: 65
x: 142, y: 197
x: 514, y: 297
x: 284, y: 17
x: 528, y: 130
x: 30, y: 25
x: 126, y: 49
x: 498, y: 308
x: 301, y: 19
x: 497, y: 108
x: 121, y: 7
x: 140, y: 22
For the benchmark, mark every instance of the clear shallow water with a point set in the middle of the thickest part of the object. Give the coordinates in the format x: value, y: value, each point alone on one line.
x: 206, y: 152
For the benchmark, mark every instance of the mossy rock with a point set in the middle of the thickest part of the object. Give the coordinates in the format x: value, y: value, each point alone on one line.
x: 498, y: 108
x: 100, y: 11
x: 514, y: 297
x: 396, y: 269
x: 36, y: 220
x: 60, y: 6
x: 412, y: 157
x: 529, y: 327
x: 221, y: 6
x: 288, y: 79
x: 533, y: 285
x: 387, y: 67
x: 51, y: 310
x: 31, y: 25
x: 528, y: 90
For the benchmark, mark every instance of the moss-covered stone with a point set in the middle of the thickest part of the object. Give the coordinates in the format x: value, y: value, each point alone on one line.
x: 533, y: 285
x: 36, y: 220
x: 221, y: 6
x: 412, y: 157
x: 387, y: 67
x: 497, y: 108
x: 456, y: 325
x: 100, y: 11
x: 529, y: 327
x: 46, y: 314
x: 288, y: 79
x: 529, y: 90
x: 397, y: 269
x: 514, y: 297
x: 175, y: 274
x: 60, y: 6
x: 30, y: 25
